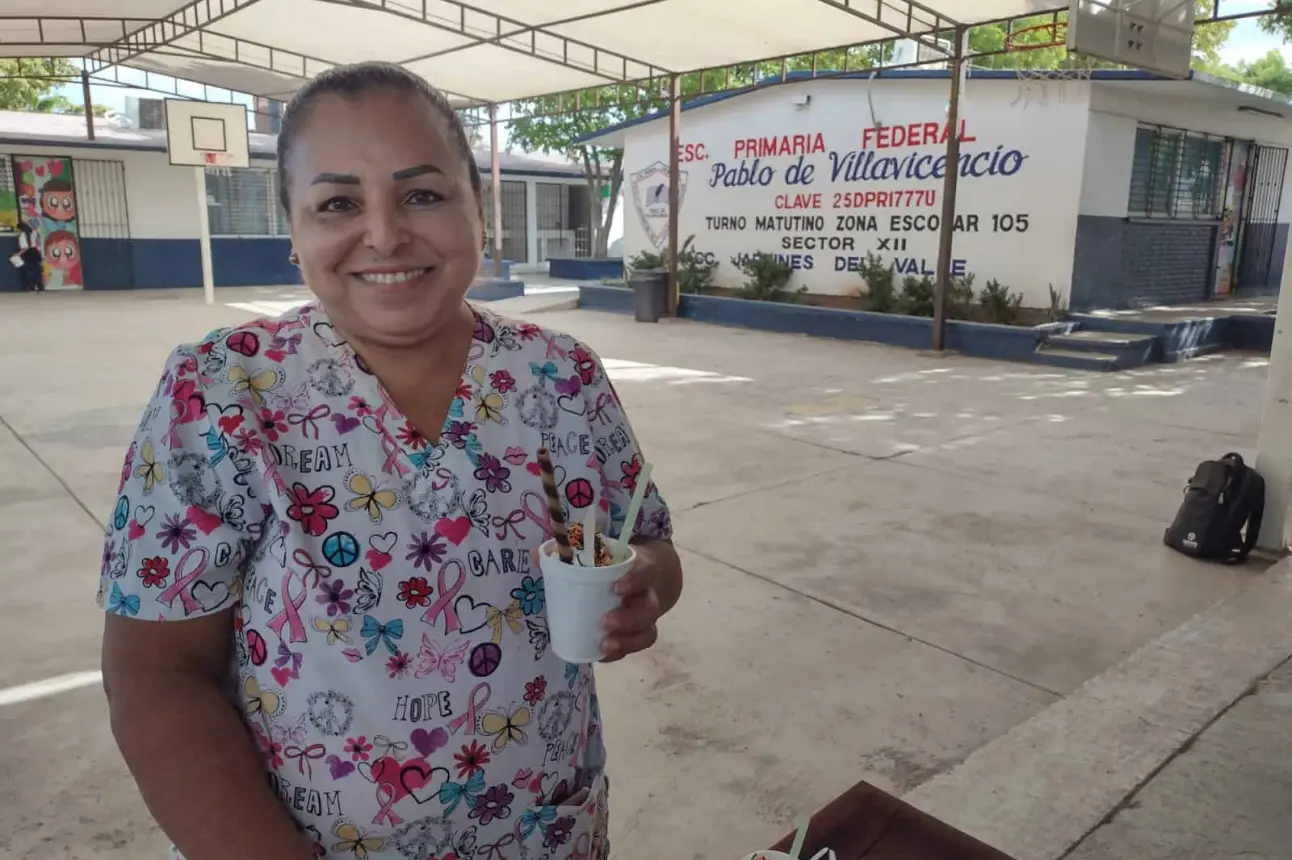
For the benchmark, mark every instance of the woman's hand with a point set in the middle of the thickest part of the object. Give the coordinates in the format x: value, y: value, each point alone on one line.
x: 650, y: 589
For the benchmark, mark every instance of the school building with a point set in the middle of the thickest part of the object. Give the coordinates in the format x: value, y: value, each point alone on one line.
x: 113, y: 213
x: 1126, y: 190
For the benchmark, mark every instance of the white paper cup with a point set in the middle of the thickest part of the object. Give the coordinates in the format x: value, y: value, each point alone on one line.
x: 578, y: 598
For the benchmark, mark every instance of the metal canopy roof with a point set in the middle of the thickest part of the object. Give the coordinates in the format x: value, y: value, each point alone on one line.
x: 480, y: 51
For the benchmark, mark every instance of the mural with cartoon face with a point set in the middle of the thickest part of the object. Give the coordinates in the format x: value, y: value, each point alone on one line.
x: 57, y: 201
x: 47, y: 201
x: 63, y: 256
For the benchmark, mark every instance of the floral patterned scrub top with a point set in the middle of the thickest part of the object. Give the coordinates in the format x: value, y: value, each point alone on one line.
x: 391, y: 659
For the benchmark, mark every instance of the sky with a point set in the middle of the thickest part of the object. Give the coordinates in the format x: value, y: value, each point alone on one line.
x: 1247, y: 42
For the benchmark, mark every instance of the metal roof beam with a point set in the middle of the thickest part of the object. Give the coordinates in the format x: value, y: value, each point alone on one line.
x: 43, y: 30
x: 486, y: 28
x: 191, y: 18
x: 905, y: 19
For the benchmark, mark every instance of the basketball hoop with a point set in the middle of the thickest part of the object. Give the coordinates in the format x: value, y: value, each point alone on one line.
x: 1034, y: 85
x: 1056, y: 30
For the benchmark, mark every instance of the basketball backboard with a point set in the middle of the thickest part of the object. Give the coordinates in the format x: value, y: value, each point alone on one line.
x: 207, y: 134
x: 1153, y: 35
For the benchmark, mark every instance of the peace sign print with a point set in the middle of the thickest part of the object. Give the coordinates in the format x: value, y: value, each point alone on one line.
x: 537, y: 408
x: 578, y: 493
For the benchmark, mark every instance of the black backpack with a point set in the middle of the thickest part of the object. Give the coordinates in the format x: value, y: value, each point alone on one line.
x: 1222, y: 498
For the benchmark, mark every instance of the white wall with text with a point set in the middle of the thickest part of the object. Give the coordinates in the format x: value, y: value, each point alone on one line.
x: 823, y: 172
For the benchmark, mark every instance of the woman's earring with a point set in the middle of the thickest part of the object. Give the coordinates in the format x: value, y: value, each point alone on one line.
x: 294, y: 258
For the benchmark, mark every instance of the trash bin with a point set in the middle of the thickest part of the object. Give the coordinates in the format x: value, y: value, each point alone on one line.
x: 650, y: 294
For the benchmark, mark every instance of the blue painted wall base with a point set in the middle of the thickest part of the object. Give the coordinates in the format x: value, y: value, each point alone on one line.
x: 585, y: 269
x: 493, y: 290
x: 1166, y: 341
x: 978, y: 339
x: 149, y: 264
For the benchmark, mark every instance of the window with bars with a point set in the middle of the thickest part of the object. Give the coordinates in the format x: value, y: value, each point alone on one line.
x: 8, y: 196
x: 244, y: 202
x: 1177, y: 174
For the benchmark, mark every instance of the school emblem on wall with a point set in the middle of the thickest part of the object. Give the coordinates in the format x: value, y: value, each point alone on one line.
x: 650, y: 198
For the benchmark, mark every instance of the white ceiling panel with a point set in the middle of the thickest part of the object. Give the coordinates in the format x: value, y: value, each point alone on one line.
x: 492, y: 50
x: 492, y: 73
x: 340, y: 34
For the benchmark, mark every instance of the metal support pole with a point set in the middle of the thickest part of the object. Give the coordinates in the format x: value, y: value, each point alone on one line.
x: 495, y: 177
x: 89, y: 105
x: 950, y: 183
x: 674, y: 192
x: 204, y: 237
x: 1274, y: 441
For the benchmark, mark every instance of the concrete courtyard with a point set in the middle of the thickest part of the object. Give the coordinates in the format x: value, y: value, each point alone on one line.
x: 892, y: 559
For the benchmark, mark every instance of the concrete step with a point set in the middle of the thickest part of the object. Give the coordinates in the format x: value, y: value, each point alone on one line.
x: 1074, y: 359
x: 1100, y: 341
x: 1132, y: 349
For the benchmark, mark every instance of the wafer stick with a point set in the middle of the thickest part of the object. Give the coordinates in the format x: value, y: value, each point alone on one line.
x: 554, y: 507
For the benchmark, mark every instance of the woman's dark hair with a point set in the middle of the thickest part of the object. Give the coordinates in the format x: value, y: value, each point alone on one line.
x: 352, y: 81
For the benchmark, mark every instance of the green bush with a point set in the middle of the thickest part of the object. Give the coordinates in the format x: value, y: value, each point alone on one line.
x: 881, y: 288
x: 694, y: 275
x: 766, y: 277
x: 918, y: 296
x: 999, y: 304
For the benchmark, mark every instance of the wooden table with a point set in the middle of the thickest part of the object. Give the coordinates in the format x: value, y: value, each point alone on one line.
x: 868, y: 823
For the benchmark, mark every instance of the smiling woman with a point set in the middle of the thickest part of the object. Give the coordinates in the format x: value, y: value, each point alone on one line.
x: 340, y: 505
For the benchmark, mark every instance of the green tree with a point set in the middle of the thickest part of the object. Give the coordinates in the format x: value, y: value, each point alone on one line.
x: 30, y: 93
x: 1279, y: 20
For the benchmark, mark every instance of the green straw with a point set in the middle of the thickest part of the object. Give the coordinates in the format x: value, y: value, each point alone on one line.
x: 799, y: 838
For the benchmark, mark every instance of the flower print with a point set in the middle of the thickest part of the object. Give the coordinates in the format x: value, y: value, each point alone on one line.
x: 464, y: 390
x: 336, y: 597
x: 558, y: 833
x: 248, y: 441
x: 527, y: 331
x: 271, y: 751
x: 411, y: 436
x: 502, y: 381
x: 186, y: 401
x: 154, y: 571
x: 494, y: 474
x: 360, y: 407
x: 583, y: 364
x: 312, y: 508
x: 128, y: 467
x: 358, y: 748
x: 109, y: 550
x: 399, y: 664
x: 631, y: 469
x: 489, y: 407
x: 473, y: 757
x: 426, y: 550
x: 415, y: 591
x: 458, y: 433
x: 535, y: 690
x: 493, y: 805
x: 530, y: 595
x: 176, y: 533
x: 273, y: 423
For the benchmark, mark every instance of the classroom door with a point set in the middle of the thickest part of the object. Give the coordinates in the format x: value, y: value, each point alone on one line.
x: 47, y: 201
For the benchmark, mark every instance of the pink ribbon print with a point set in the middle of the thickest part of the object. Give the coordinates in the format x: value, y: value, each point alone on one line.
x: 448, y: 594
x: 386, y: 796
x: 291, y: 614
x: 478, y: 699
x: 183, y: 586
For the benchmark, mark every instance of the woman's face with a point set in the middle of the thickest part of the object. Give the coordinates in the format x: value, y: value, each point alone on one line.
x: 383, y: 215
